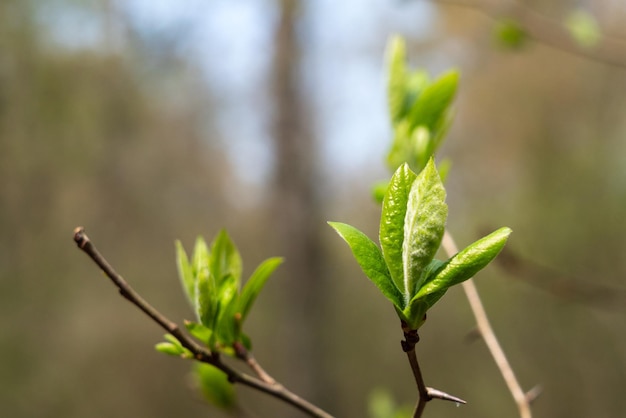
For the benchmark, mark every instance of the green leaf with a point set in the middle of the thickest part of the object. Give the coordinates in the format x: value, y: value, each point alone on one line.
x: 392, y: 223
x: 401, y: 150
x: 396, y: 85
x: 510, y: 34
x: 185, y: 273
x: 206, y: 297
x: 215, y: 386
x: 225, y: 258
x: 169, y: 349
x: 228, y: 325
x: 466, y: 263
x: 415, y: 312
x: 370, y: 258
x: 583, y: 28
x: 199, y: 331
x: 173, y: 347
x: 255, y: 284
x: 424, y: 226
x: 434, y: 101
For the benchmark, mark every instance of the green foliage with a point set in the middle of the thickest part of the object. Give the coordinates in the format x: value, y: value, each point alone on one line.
x: 411, y: 229
x: 215, y: 386
x: 414, y: 212
x: 509, y: 34
x: 212, y: 281
x: 173, y: 347
x: 382, y: 405
x: 583, y: 28
x: 419, y: 109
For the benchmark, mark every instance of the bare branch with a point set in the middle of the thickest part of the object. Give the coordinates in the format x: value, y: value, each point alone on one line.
x: 264, y: 383
x: 426, y: 394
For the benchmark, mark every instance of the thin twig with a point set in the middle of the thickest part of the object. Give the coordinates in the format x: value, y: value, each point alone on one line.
x: 482, y: 322
x: 264, y: 384
x: 426, y: 394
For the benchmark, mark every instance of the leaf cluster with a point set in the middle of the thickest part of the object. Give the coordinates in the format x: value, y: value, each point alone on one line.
x: 211, y: 280
x: 419, y: 109
x: 414, y: 211
x: 412, y: 225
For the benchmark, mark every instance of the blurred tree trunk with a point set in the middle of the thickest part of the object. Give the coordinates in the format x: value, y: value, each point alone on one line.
x: 297, y: 217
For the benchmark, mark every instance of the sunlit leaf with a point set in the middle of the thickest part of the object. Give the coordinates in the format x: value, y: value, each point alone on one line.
x: 255, y: 284
x: 396, y: 84
x: 434, y: 101
x: 392, y: 223
x: 424, y: 226
x: 466, y: 263
x: 370, y: 258
x: 185, y: 273
x: 225, y: 258
x: 169, y: 349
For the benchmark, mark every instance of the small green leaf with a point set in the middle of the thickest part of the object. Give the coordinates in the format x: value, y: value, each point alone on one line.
x: 185, y: 273
x: 227, y: 325
x: 371, y: 260
x: 215, y: 386
x: 169, y: 349
x: 466, y: 263
x: 392, y: 223
x: 206, y: 297
x: 434, y: 101
x: 510, y: 34
x: 199, y: 331
x: 396, y: 85
x: 255, y: 284
x: 225, y: 258
x: 424, y: 226
x: 583, y: 27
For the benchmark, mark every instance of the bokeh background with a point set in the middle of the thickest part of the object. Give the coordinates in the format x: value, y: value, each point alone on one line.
x: 150, y: 121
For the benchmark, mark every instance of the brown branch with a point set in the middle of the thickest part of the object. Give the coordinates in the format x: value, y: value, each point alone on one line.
x: 482, y: 322
x: 546, y: 30
x: 263, y: 384
x: 426, y: 394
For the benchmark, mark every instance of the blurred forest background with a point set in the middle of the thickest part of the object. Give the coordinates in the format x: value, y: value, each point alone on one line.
x: 150, y: 121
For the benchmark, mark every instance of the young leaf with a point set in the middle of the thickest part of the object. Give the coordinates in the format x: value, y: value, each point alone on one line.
x: 206, y: 297
x: 199, y: 331
x: 434, y: 101
x: 227, y: 325
x: 371, y: 260
x: 255, y: 283
x: 396, y: 85
x: 392, y: 223
x: 225, y: 258
x: 215, y: 386
x: 185, y: 273
x: 466, y: 263
x: 169, y: 349
x: 424, y: 226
